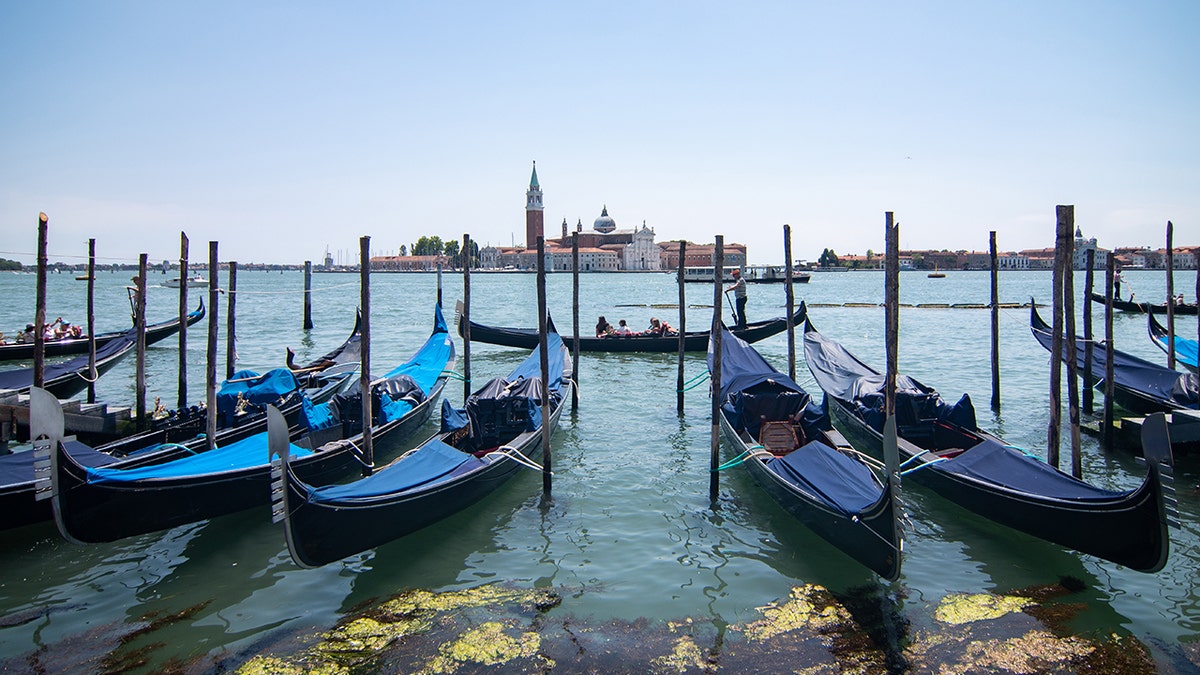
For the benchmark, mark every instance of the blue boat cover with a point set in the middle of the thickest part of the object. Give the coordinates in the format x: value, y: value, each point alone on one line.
x: 259, y: 390
x: 841, y: 482
x: 17, y: 468
x: 841, y: 375
x: 1185, y: 349
x: 531, y: 367
x: 244, y: 454
x: 998, y: 464
x: 1172, y: 388
x: 428, y: 464
x: 22, y: 378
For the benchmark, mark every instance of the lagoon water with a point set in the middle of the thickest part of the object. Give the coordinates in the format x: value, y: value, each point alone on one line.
x: 630, y: 532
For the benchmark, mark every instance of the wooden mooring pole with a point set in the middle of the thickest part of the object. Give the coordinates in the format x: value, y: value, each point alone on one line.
x: 1053, y: 431
x: 308, y: 322
x: 364, y: 375
x: 91, y: 321
x: 139, y: 320
x: 1088, y: 351
x: 891, y: 314
x: 714, y: 481
x: 1171, y: 296
x: 547, y: 471
x: 181, y: 403
x: 682, y: 326
x: 39, y: 320
x: 789, y: 291
x: 1068, y: 279
x: 1109, y: 389
x: 439, y: 284
x: 995, y: 260
x: 466, y: 318
x: 210, y: 356
x: 231, y: 322
x: 575, y: 318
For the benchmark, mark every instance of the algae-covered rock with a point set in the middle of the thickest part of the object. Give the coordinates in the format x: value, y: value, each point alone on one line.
x: 960, y: 608
x: 488, y: 644
x: 686, y: 655
x: 810, y: 607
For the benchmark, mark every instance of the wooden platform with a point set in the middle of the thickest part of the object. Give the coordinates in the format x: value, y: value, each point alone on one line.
x: 93, y: 422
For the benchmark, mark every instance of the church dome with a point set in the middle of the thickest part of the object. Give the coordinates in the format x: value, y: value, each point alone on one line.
x: 604, y: 223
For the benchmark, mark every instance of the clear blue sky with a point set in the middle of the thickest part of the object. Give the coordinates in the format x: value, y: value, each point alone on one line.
x: 282, y: 128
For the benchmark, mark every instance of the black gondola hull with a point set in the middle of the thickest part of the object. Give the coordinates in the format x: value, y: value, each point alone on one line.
x: 318, y: 534
x: 71, y: 346
x: 1145, y: 307
x: 525, y: 338
x: 872, y: 538
x: 1130, y: 531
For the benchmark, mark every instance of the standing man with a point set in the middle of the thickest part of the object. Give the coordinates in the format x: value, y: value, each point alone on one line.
x: 739, y: 295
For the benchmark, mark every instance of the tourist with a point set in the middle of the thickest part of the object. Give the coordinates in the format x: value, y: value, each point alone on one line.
x: 739, y: 294
x: 26, y: 336
x: 603, y: 327
x: 623, y: 328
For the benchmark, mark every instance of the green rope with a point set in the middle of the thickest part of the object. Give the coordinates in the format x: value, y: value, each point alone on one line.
x: 454, y: 375
x: 693, y: 383
x: 740, y: 459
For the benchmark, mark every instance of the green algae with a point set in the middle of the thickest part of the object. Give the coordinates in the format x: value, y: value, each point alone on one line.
x: 959, y: 608
x: 810, y: 607
x: 489, y: 645
x: 686, y: 655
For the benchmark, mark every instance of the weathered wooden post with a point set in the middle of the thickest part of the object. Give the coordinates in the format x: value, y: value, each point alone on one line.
x: 230, y: 322
x: 547, y: 471
x: 465, y: 326
x: 364, y: 375
x: 39, y: 321
x: 1062, y: 233
x: 995, y: 259
x: 308, y: 322
x: 714, y: 482
x: 575, y: 317
x: 1171, y: 296
x: 210, y: 366
x: 891, y: 310
x: 91, y: 321
x: 181, y: 404
x: 1109, y: 389
x: 682, y: 326
x: 139, y: 320
x: 789, y: 291
x: 1088, y: 355
x: 439, y: 284
x: 1070, y: 346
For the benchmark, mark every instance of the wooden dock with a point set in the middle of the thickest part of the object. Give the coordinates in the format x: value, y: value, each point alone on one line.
x: 91, y: 422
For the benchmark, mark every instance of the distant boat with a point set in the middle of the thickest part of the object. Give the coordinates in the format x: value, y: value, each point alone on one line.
x: 935, y: 274
x: 196, y: 282
x: 84, y: 277
x: 770, y: 274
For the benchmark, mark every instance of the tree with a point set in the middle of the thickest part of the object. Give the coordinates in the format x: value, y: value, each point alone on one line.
x: 451, y: 248
x: 403, y: 249
x: 428, y: 246
x: 828, y: 258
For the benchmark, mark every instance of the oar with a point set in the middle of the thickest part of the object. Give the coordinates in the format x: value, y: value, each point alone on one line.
x: 732, y: 311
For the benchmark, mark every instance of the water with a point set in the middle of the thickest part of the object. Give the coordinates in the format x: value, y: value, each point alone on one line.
x: 630, y: 532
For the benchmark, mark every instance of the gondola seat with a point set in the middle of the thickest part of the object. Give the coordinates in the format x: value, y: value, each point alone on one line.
x: 778, y: 437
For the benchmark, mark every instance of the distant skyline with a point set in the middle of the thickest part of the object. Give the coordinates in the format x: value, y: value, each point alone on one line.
x: 283, y: 129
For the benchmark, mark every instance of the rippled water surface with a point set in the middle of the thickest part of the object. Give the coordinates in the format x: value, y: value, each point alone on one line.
x: 630, y: 531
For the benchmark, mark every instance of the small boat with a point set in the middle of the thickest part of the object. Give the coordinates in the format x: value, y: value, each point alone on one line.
x: 68, y: 378
x: 936, y: 274
x: 79, y: 345
x: 477, y: 449
x: 697, y: 341
x: 241, y: 405
x: 1145, y: 307
x: 192, y: 282
x: 85, y: 277
x: 1139, y: 386
x: 794, y: 453
x: 101, y: 504
x: 1185, y: 348
x: 941, y: 447
x: 770, y: 274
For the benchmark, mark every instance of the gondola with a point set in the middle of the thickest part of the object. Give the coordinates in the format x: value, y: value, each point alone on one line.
x: 1139, y: 386
x: 527, y: 338
x: 79, y: 345
x: 1185, y: 348
x: 790, y: 447
x: 241, y: 405
x: 477, y: 449
x: 68, y: 378
x: 1145, y: 307
x: 942, y: 448
x: 99, y: 504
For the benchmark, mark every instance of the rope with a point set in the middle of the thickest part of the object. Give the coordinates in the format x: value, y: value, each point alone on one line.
x: 856, y: 519
x: 753, y: 451
x: 90, y: 380
x: 689, y: 387
x: 453, y: 375
x: 939, y: 460
x: 176, y: 446
x: 516, y: 456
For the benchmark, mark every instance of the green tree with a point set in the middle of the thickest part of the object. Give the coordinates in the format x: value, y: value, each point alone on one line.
x: 428, y: 246
x: 828, y: 258
x: 403, y: 249
x: 6, y: 264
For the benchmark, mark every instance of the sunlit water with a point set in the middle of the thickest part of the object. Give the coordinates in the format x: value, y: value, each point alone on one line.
x: 630, y: 531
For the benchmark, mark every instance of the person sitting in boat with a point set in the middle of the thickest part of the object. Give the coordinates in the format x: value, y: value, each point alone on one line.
x: 659, y: 328
x: 50, y: 330
x: 1179, y: 300
x: 26, y: 336
x: 603, y: 327
x: 622, y: 328
x: 66, y: 330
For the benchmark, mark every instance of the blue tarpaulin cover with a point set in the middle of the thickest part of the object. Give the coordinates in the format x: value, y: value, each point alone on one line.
x: 243, y: 454
x: 998, y: 464
x: 259, y: 390
x: 836, y: 479
x: 433, y: 461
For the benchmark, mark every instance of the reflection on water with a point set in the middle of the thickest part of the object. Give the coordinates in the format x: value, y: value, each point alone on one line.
x: 629, y: 534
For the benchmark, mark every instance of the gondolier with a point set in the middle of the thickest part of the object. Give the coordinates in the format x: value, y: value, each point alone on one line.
x: 739, y: 296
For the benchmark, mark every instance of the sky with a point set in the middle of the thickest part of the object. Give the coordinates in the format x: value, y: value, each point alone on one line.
x: 283, y: 129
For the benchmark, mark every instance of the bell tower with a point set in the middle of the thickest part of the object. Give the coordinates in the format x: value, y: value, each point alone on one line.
x: 533, y: 211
